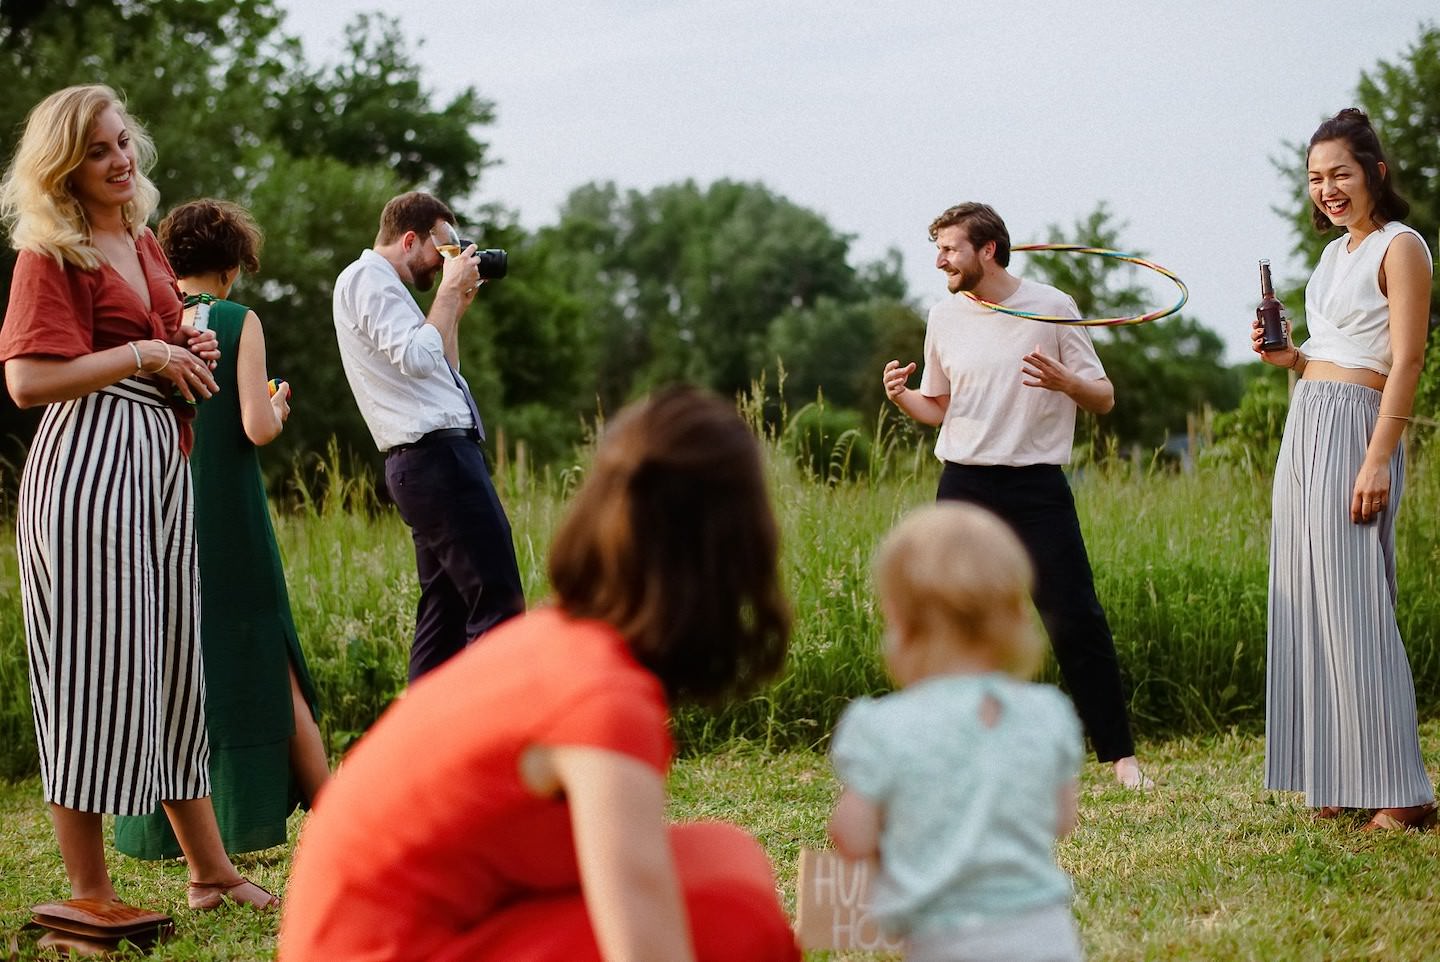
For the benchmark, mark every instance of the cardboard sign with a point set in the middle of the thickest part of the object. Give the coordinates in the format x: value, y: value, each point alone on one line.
x: 833, y: 905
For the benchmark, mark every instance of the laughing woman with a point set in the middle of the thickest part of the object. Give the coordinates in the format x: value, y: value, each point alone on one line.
x: 1340, y: 721
x: 106, y: 551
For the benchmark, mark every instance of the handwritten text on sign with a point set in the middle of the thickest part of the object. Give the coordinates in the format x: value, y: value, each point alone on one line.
x: 834, y: 905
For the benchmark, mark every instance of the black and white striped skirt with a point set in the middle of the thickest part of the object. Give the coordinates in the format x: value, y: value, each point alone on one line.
x: 110, y: 589
x: 1340, y: 721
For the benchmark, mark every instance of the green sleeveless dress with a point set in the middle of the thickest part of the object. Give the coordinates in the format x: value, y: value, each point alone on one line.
x: 246, y: 631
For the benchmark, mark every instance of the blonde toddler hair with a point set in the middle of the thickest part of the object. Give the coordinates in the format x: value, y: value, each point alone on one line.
x: 955, y: 570
x: 35, y: 198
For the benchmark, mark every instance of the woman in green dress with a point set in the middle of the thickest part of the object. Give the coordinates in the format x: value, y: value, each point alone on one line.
x: 266, y: 755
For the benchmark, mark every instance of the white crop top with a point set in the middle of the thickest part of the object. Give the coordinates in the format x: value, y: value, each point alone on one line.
x: 1348, y: 316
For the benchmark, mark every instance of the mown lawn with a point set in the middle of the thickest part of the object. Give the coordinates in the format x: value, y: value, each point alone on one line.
x: 1210, y: 866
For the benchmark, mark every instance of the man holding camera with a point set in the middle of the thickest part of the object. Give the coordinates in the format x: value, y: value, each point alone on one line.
x: 403, y: 368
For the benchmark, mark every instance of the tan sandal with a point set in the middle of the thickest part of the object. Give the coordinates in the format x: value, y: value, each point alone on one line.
x: 1419, y: 817
x: 205, y: 896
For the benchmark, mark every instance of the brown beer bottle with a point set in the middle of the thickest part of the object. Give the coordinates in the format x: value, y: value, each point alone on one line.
x: 1274, y: 325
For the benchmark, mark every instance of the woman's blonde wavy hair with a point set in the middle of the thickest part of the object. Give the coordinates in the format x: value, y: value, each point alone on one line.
x: 35, y: 199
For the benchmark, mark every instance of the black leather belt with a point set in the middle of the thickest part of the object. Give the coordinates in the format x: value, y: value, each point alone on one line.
x: 444, y: 434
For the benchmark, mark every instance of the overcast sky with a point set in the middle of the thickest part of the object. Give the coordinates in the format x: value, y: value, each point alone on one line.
x: 881, y: 114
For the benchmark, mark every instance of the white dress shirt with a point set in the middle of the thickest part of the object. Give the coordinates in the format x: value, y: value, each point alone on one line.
x: 394, y: 360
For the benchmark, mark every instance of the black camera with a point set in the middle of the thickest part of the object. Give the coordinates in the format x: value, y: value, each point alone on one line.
x: 491, y: 262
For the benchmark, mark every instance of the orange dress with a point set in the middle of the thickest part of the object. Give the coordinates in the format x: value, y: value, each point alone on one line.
x: 427, y: 845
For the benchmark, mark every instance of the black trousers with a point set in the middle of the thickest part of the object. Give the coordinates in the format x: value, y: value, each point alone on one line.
x: 464, y: 554
x: 1036, y: 501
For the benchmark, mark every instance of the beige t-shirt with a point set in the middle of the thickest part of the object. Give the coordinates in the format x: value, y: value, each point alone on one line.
x: 974, y: 354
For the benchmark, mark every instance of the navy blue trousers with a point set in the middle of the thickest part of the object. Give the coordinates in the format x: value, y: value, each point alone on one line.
x: 464, y: 554
x: 1036, y: 502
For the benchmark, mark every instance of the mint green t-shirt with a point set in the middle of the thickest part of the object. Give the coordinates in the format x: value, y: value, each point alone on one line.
x: 970, y: 811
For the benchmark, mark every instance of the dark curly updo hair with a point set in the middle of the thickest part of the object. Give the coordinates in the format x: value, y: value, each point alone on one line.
x: 209, y: 236
x: 1353, y: 128
x: 671, y: 540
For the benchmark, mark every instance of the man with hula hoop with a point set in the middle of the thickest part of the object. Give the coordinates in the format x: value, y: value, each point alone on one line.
x: 1004, y: 444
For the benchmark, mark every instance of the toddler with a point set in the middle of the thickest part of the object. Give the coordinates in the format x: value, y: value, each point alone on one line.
x: 960, y: 782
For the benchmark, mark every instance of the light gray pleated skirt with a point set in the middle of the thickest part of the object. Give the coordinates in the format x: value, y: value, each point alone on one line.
x: 1340, y: 720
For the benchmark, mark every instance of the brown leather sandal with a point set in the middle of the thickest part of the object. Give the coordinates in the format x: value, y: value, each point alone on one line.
x: 1327, y: 812
x: 205, y: 896
x: 1419, y: 817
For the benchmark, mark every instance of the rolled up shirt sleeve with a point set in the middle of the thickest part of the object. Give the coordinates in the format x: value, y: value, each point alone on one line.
x: 391, y: 324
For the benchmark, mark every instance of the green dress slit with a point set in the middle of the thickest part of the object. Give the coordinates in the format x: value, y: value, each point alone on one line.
x: 246, y: 631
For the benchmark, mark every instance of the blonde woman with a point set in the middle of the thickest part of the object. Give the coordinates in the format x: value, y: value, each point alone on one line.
x: 106, y: 554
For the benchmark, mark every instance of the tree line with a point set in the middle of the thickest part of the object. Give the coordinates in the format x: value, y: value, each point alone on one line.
x: 722, y: 284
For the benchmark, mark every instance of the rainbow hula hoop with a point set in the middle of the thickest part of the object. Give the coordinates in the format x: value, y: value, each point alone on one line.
x: 1092, y: 321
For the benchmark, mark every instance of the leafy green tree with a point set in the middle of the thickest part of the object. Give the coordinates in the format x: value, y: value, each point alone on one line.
x: 1162, y: 371
x: 685, y: 282
x: 237, y: 113
x: 827, y: 348
x: 523, y: 338
x: 372, y: 110
x: 839, y: 349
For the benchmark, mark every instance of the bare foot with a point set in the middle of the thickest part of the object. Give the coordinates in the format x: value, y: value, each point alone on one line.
x: 1129, y: 775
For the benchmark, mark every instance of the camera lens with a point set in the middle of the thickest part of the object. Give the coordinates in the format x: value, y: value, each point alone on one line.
x: 491, y: 262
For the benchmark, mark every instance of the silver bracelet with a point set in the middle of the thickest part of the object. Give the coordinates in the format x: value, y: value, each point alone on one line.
x: 139, y: 366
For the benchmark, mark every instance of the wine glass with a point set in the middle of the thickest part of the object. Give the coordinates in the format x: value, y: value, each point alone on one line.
x: 446, y: 239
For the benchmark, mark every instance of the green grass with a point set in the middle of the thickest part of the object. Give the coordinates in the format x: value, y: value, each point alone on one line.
x: 1180, y: 564
x: 1210, y: 866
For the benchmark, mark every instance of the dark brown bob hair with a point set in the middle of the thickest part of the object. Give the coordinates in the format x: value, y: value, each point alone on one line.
x: 209, y: 236
x: 1352, y: 127
x: 672, y: 541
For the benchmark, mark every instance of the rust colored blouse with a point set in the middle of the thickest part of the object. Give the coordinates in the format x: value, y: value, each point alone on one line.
x: 64, y: 312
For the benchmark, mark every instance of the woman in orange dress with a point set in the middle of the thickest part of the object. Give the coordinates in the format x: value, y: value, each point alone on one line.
x: 512, y: 805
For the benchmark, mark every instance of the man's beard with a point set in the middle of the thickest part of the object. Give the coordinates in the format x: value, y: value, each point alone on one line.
x: 422, y: 276
x: 966, y: 280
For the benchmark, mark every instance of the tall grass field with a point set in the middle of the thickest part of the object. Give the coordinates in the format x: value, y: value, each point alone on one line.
x: 1180, y: 563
